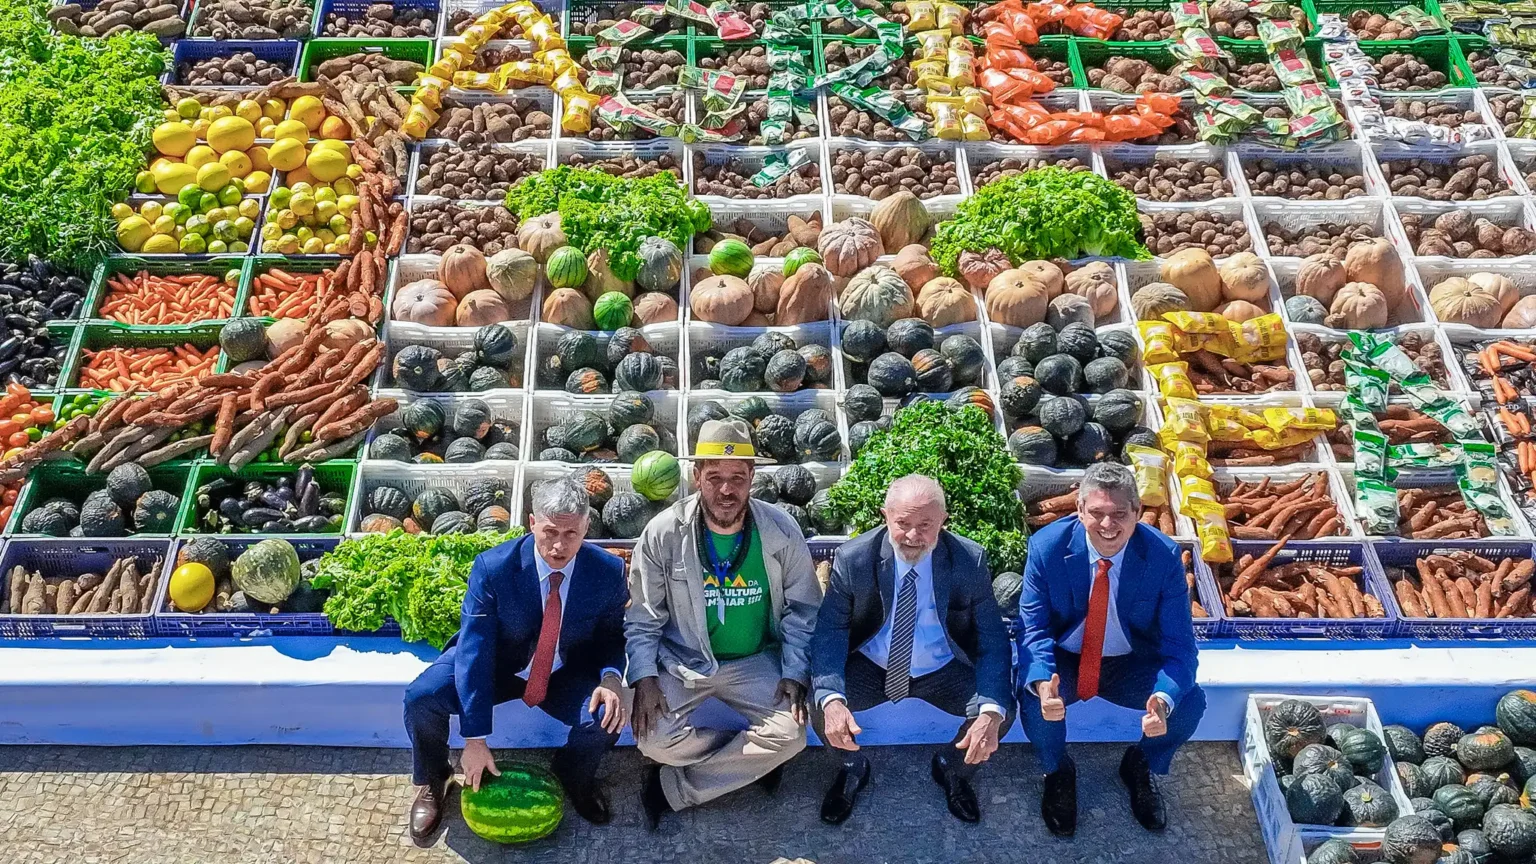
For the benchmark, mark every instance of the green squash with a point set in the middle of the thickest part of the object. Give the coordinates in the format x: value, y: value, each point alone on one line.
x: 1291, y: 725
x: 1528, y: 794
x: 493, y: 519
x: 453, y: 522
x: 1314, y: 799
x: 785, y: 372
x: 207, y: 551
x: 433, y: 502
x: 597, y: 482
x: 1320, y: 759
x: 892, y: 375
x: 578, y: 350
x: 1441, y: 739
x: 1060, y: 374
x: 1304, y: 309
x: 486, y: 493
x: 624, y: 341
x: 1141, y: 436
x: 630, y: 407
x: 818, y: 364
x: 1015, y: 367
x: 1105, y: 374
x: 1410, y: 839
x: 464, y: 451
x: 966, y: 357
x: 818, y: 441
x: 267, y: 572
x: 764, y: 488
x: 155, y: 512
x: 1064, y: 416
x: 636, y: 441
x: 612, y: 310
x: 1403, y: 745
x: 127, y: 482
x: 488, y: 378
x: 556, y: 454
x: 1476, y: 843
x: 1006, y: 590
x: 775, y: 438
x: 1020, y: 396
x: 422, y: 419
x: 1333, y: 852
x: 584, y: 431
x: 909, y: 336
x: 1523, y: 766
x: 863, y: 341
x: 661, y: 264
x: 1485, y: 750
x: 1118, y: 411
x: 566, y: 268
x: 1037, y: 342
x: 1511, y: 831
x: 863, y: 402
x: 795, y: 483
x: 1033, y: 445
x: 639, y: 371
x: 701, y: 413
x: 495, y: 345
x: 824, y: 517
x: 415, y: 368
x: 390, y: 447
x: 626, y: 514
x: 741, y: 370
x: 1461, y: 804
x: 1492, y: 790
x: 1078, y: 340
x: 656, y: 475
x: 1363, y: 750
x: 971, y: 396
x: 1091, y: 444
x: 1516, y: 715
x: 933, y: 371
x: 472, y: 418
x: 1367, y: 805
x: 521, y: 804
x: 244, y: 339
x: 1431, y: 811
x: 100, y: 516
x: 453, y: 373
x: 771, y: 342
x: 859, y: 434
x: 1443, y: 771
x: 1415, y: 783
x: 1121, y: 345
x: 586, y: 381
x: 751, y: 409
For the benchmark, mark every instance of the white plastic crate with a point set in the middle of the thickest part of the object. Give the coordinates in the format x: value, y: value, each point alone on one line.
x: 1120, y: 157
x: 665, y: 339
x: 508, y: 406
x: 549, y: 409
x: 791, y: 405
x: 1415, y: 309
x: 413, y: 268
x: 1229, y: 209
x: 1348, y: 158
x: 414, y: 479
x: 748, y: 160
x: 619, y: 474
x: 715, y: 339
x: 938, y: 149
x: 1506, y: 212
x: 1298, y: 215
x: 980, y: 154
x: 771, y: 216
x: 1393, y: 151
x: 450, y: 341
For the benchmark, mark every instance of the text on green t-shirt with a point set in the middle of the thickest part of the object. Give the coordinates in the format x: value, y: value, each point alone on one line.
x: 737, y: 610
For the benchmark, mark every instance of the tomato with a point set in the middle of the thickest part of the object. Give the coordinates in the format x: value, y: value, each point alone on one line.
x: 18, y: 439
x: 9, y: 428
x: 42, y: 415
x: 5, y: 514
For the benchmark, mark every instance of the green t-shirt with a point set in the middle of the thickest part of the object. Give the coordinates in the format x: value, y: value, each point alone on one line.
x: 743, y: 629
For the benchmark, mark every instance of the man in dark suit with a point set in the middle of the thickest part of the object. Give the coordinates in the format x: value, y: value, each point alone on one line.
x: 1105, y: 612
x: 543, y: 622
x: 909, y: 612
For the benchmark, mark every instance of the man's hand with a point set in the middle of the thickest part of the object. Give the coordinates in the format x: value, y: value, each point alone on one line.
x: 607, y: 695
x: 980, y: 741
x: 1155, y: 723
x: 477, y: 760
x: 650, y: 704
x: 794, y: 693
x: 1051, y: 706
x: 840, y: 726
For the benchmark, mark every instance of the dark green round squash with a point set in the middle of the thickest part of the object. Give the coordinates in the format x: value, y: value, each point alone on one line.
x: 556, y: 454
x: 971, y: 396
x: 1078, y: 340
x: 1411, y: 839
x: 1367, y: 805
x: 155, y: 512
x: 577, y: 349
x: 933, y: 371
x: 626, y: 514
x: 1485, y: 750
x: 586, y: 381
x: 127, y: 482
x: 100, y: 516
x: 1142, y: 436
x: 1403, y: 744
x: 471, y: 418
x: 1523, y: 766
x: 966, y: 357
x: 818, y: 441
x: 597, y: 482
x: 453, y: 374
x: 741, y: 370
x: 1324, y: 760
x: 390, y: 447
x: 1121, y: 345
x: 859, y: 434
x: 630, y: 407
x: 771, y: 342
x: 810, y: 416
x: 1064, y: 416
x: 818, y: 364
x: 1020, y: 396
x: 1511, y: 831
x: 583, y: 431
x: 1037, y: 342
x: 796, y: 484
x: 639, y: 371
x: 488, y: 378
x: 1333, y: 852
x: 1461, y: 804
x: 1492, y: 790
x: 797, y: 513
x: 908, y: 336
x: 751, y: 409
x: 1118, y: 411
x: 636, y: 441
x: 1091, y: 444
x: 243, y: 339
x: 496, y: 519
x: 824, y: 517
x: 775, y: 437
x: 1363, y: 750
x: 551, y: 372
x: 1006, y: 589
x: 486, y: 493
x: 1516, y: 715
x: 625, y: 341
x: 462, y: 450
x: 785, y: 372
x: 1033, y: 445
x: 453, y: 522
x: 431, y: 503
x: 669, y: 379
x: 415, y: 368
x: 1431, y: 811
x: 863, y: 402
x: 892, y: 375
x: 1105, y: 374
x: 503, y: 451
x: 1415, y: 783
x: 422, y: 419
x: 1060, y: 374
x: 702, y: 412
x: 1443, y: 771
x: 1475, y: 842
x: 495, y: 345
x: 863, y: 341
x: 1314, y: 799
x: 1441, y: 739
x: 765, y: 488
x: 1015, y: 367
x: 1291, y: 725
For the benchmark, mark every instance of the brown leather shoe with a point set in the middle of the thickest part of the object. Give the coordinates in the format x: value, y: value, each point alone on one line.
x: 427, y: 811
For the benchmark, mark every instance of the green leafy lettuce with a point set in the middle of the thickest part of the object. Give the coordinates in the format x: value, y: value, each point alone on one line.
x: 600, y: 211
x: 1042, y: 214
x: 417, y: 579
x: 960, y: 449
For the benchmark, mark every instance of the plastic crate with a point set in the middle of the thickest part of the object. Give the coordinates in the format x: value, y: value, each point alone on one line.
x: 317, y: 51
x: 334, y: 477
x: 791, y: 405
x: 1440, y: 53
x: 70, y: 557
x: 284, y: 52
x: 665, y: 340
x: 97, y: 336
x: 217, y: 266
x: 507, y: 406
x: 359, y: 8
x: 550, y: 409
x: 1335, y: 552
x: 69, y: 480
x: 1342, y: 8
x: 415, y: 479
x: 1404, y: 553
x: 706, y: 339
x: 619, y: 474
x: 1213, y: 626
x: 450, y: 342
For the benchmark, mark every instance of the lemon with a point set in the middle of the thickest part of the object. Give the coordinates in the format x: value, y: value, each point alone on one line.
x: 213, y: 177
x: 302, y: 203
x: 342, y: 240
x: 152, y: 210
x: 326, y: 165
x: 345, y: 204
x: 216, y: 214
x: 264, y: 127
x: 326, y: 234
x: 303, y: 233
x: 257, y: 182
x: 258, y: 157
x: 173, y: 139
x: 313, y: 246
x: 308, y: 110
x: 271, y: 231
x: 165, y: 225
x: 334, y: 128
x: 172, y: 177
x: 290, y: 129
x: 192, y: 244
x: 274, y: 109
x: 144, y: 183
x: 201, y: 155
x: 286, y: 154
x: 269, y: 247
x: 121, y: 211
x: 132, y: 232
x: 237, y: 162
x: 248, y: 110
x: 159, y: 244
x: 191, y: 587
x: 324, y: 210
x: 249, y: 208
x: 355, y: 171
x: 231, y: 133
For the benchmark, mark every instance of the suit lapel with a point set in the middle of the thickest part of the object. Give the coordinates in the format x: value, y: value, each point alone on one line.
x: 1076, y: 565
x: 942, y: 561
x: 574, y: 610
x: 885, y: 575
x: 1132, y: 567
x: 525, y: 587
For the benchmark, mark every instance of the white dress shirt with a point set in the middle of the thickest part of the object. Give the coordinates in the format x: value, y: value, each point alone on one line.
x: 930, y: 643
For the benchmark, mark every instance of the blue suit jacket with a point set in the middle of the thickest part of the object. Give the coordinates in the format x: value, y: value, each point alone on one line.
x: 863, y: 589
x: 1152, y: 601
x: 503, y: 613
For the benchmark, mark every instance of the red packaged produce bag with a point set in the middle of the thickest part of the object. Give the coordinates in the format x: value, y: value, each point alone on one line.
x: 1128, y: 127
x: 1087, y: 118
x: 1085, y: 135
x: 997, y: 35
x: 1007, y: 58
x: 1162, y: 103
x: 1051, y: 132
x: 1088, y: 20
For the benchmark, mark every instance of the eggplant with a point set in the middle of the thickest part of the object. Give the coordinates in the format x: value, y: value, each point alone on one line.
x: 278, y: 526
x: 232, y: 508
x: 311, y: 524
x: 259, y: 516
x: 9, y: 347
x: 309, y: 504
x: 304, y: 479
x: 277, y: 499
x: 332, y: 505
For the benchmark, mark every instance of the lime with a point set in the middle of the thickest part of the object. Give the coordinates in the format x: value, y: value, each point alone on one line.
x: 144, y: 183
x: 198, y: 225
x: 188, y: 107
x: 338, y: 224
x: 326, y: 193
x: 324, y: 210
x: 177, y: 211
x: 232, y: 277
x: 189, y: 196
x: 229, y: 196
x: 217, y: 247
x: 239, y: 247
x: 224, y: 230
x: 303, y: 233
x: 344, y: 186
x: 288, y: 245
x: 207, y: 202
x: 303, y: 203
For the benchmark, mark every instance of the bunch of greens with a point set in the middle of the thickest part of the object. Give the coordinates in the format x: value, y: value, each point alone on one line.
x: 1042, y: 214
x: 75, y: 121
x: 417, y: 579
x: 600, y: 211
x: 960, y: 449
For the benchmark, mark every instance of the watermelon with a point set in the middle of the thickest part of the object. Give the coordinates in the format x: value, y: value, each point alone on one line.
x: 730, y: 257
x: 656, y: 475
x: 612, y: 311
x: 798, y: 257
x: 523, y: 804
x: 567, y: 267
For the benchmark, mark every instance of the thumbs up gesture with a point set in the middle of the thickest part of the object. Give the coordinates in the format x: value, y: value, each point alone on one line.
x: 1051, y: 706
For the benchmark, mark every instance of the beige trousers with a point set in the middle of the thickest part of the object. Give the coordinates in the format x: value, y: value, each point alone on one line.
x: 700, y: 765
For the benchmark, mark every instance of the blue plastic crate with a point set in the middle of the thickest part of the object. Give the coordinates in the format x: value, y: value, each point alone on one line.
x: 168, y: 622
x: 283, y: 52
x: 1404, y: 553
x: 1214, y: 625
x: 356, y: 9
x: 70, y: 557
x: 1339, y: 553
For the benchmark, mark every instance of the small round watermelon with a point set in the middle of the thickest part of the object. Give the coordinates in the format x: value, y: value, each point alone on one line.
x: 523, y: 804
x: 799, y: 257
x: 566, y: 268
x: 612, y: 311
x: 656, y: 475
x: 730, y: 257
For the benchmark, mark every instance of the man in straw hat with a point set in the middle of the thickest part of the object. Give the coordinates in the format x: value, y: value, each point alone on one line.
x: 723, y: 598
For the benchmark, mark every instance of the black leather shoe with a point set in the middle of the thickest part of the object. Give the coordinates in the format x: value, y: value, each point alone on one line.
x: 771, y: 781
x: 837, y: 806
x: 1146, y: 800
x: 590, y: 804
x: 652, y: 799
x: 427, y: 811
x: 958, y: 793
x: 1058, y: 802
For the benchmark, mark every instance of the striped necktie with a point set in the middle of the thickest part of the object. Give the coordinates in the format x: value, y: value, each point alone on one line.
x: 898, y: 666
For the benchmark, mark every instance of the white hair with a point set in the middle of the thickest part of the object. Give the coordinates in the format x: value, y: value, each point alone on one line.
x: 1112, y: 478
x: 563, y: 497
x: 915, y: 489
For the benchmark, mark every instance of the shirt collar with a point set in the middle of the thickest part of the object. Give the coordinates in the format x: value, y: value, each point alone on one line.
x: 1114, y: 560
x: 901, y: 564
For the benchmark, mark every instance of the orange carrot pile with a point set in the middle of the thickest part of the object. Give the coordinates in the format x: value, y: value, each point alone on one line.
x: 279, y: 294
x: 145, y: 298
x: 145, y: 368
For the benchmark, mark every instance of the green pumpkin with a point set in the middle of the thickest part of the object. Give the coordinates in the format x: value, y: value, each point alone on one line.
x: 892, y: 375
x: 566, y: 268
x: 1091, y: 444
x: 818, y: 441
x: 464, y: 450
x: 823, y: 515
x: 1314, y: 799
x: 1037, y: 342
x: 1291, y: 725
x: 1326, y: 761
x: 1461, y: 804
x: 1443, y: 771
x: 415, y: 368
x: 472, y: 418
x: 1441, y: 739
x: 1105, y: 374
x: 863, y: 402
x: 1121, y: 345
x: 486, y: 493
x: 818, y: 364
x: 741, y: 370
x: 612, y: 311
x: 630, y: 407
x: 703, y: 412
x: 1415, y: 783
x: 863, y: 341
x: 1118, y: 411
x: 771, y: 342
x: 495, y: 345
x: 1511, y: 831
x: 1367, y: 805
x: 1064, y: 416
x: 661, y: 264
x: 1078, y: 340
x: 155, y: 512
x: 1516, y: 715
x: 795, y: 484
x: 586, y: 381
x: 934, y: 374
x: 1363, y: 750
x: 1060, y: 374
x: 751, y: 409
x: 1410, y: 839
x: 908, y: 336
x: 859, y: 434
x: 1333, y: 852
x: 1033, y: 445
x: 1020, y: 396
x: 244, y: 339
x: 626, y: 514
x: 636, y: 441
x: 1403, y: 745
x: 640, y: 372
x: 966, y: 357
x: 785, y: 372
x: 1487, y: 749
x: 775, y: 435
x: 584, y: 431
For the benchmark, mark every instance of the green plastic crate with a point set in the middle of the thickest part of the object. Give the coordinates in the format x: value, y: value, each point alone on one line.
x: 317, y: 51
x: 1342, y: 8
x: 1439, y: 52
x: 98, y: 336
x: 335, y: 476
x: 1092, y: 52
x: 115, y: 264
x: 63, y: 399
x: 301, y: 264
x: 65, y: 333
x: 69, y: 480
x: 1465, y: 44
x: 578, y: 12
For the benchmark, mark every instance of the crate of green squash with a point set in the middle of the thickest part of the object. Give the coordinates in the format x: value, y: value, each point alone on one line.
x: 64, y: 501
x: 267, y: 498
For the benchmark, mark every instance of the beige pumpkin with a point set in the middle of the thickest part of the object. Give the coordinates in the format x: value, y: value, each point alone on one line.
x: 512, y: 272
x: 901, y: 219
x: 1047, y: 274
x: 1244, y: 277
x: 1321, y: 276
x: 914, y: 266
x: 343, y: 333
x: 479, y: 308
x: 1095, y: 281
x: 1376, y: 262
x: 1153, y: 300
x: 655, y: 307
x: 876, y: 294
x: 943, y: 301
x: 978, y: 269
x: 1240, y: 311
x: 1460, y: 301
x: 462, y: 270
x: 1015, y: 299
x: 1357, y: 306
x: 1499, y: 286
x: 425, y: 301
x: 601, y: 278
x: 1521, y: 316
x: 721, y: 300
x: 806, y: 296
x: 568, y: 308
x: 286, y: 333
x: 541, y: 236
x: 1194, y: 272
x: 849, y: 246
x: 766, y: 280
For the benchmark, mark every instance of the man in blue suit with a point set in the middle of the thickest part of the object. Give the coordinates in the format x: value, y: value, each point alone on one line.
x: 1105, y: 612
x: 543, y: 622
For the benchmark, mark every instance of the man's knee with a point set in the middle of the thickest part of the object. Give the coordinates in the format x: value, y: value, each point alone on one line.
x: 780, y: 733
x: 664, y: 747
x: 1192, y: 707
x: 426, y: 691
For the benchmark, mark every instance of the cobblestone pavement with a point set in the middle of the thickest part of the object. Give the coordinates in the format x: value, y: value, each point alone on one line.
x: 276, y: 805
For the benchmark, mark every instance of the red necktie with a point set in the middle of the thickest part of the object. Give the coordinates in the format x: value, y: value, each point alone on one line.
x: 549, y: 637
x: 1093, y: 634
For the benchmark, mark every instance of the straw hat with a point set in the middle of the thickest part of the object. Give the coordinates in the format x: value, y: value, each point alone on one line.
x: 726, y: 439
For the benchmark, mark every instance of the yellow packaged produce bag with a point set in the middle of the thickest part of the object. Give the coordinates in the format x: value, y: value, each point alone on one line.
x: 576, y: 116
x: 1211, y: 527
x: 1197, y: 322
x: 1159, y: 339
x: 932, y: 45
x: 1189, y: 460
x: 1257, y: 339
x: 1173, y: 380
x: 1281, y: 418
x: 418, y: 120
x: 952, y: 17
x: 974, y: 127
x: 1184, y: 420
x: 1248, y: 419
x: 946, y: 117
x: 1193, y: 487
x: 921, y: 15
x: 1150, y: 466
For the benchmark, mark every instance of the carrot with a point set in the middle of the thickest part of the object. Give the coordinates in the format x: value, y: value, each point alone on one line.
x: 1490, y: 364
x: 1510, y: 349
